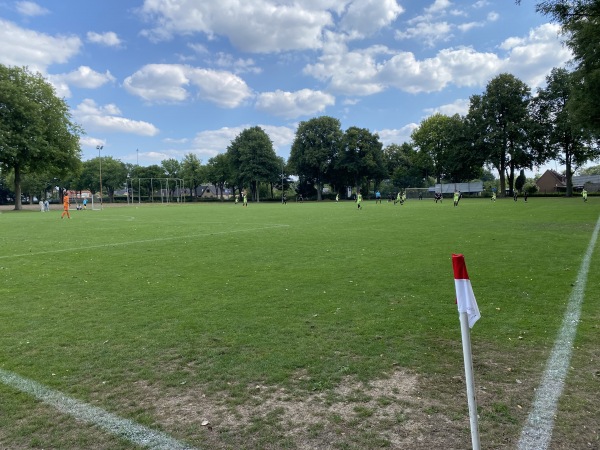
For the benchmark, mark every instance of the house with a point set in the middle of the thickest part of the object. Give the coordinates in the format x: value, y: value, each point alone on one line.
x: 551, y: 181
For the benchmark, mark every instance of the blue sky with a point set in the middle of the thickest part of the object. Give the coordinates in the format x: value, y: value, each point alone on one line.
x: 157, y: 79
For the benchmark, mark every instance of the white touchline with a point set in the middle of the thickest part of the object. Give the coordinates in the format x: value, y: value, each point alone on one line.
x: 141, y: 241
x: 123, y: 428
x: 537, y: 433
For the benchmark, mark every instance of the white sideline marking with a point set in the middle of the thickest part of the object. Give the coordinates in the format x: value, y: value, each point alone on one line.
x: 123, y: 428
x: 141, y: 241
x: 537, y: 433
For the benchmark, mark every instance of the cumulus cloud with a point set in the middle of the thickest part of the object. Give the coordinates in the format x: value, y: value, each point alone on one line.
x: 256, y: 26
x: 428, y: 32
x: 108, y: 118
x: 209, y: 143
x: 531, y: 58
x: 173, y: 82
x: 291, y: 105
x: 108, y: 39
x: 83, y: 77
x: 363, y: 18
x: 396, y: 136
x: 459, y: 106
x: 23, y: 47
x: 30, y: 9
x: 368, y: 71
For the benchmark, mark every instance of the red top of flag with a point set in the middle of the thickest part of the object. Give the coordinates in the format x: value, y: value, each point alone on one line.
x: 460, y: 268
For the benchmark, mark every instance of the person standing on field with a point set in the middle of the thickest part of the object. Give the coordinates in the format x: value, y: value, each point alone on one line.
x: 66, y: 206
x: 584, y: 195
x: 377, y: 197
x: 359, y: 200
x: 456, y: 198
x: 245, y: 194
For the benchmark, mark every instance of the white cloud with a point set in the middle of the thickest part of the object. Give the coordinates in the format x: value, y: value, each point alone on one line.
x: 367, y: 71
x: 459, y: 106
x: 237, y: 65
x: 83, y: 77
x: 438, y: 6
x: 170, y: 83
x: 531, y: 58
x: 427, y: 32
x: 108, y: 118
x: 365, y: 17
x: 210, y: 143
x: 108, y: 39
x: 23, y: 47
x: 396, y: 136
x: 258, y: 26
x: 31, y: 9
x: 348, y: 72
x: 291, y: 105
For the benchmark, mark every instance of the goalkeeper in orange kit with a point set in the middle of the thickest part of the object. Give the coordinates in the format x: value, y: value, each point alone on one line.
x: 66, y: 207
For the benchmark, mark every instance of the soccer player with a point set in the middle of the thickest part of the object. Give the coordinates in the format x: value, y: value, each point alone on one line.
x: 359, y: 200
x: 245, y: 194
x: 584, y: 195
x: 66, y: 206
x: 494, y: 196
x: 85, y: 203
x: 456, y: 198
x: 337, y: 198
x: 377, y: 197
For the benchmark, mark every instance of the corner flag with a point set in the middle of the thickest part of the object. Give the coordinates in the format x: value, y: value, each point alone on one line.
x: 464, y: 291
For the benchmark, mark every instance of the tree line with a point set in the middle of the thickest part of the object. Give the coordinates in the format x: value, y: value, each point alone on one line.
x: 507, y: 128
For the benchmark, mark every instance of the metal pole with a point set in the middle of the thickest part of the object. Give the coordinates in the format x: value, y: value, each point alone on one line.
x: 100, y: 147
x: 469, y: 379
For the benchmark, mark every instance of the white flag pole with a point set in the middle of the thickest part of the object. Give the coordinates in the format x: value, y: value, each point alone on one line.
x: 469, y: 378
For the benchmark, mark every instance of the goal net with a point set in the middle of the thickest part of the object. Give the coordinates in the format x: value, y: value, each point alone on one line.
x: 418, y: 193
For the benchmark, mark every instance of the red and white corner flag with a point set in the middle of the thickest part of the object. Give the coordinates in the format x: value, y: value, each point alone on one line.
x: 464, y: 292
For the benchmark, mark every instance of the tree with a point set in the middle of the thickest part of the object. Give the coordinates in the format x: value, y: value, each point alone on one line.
x: 445, y: 140
x: 253, y: 159
x: 580, y: 21
x: 404, y: 165
x: 564, y: 139
x: 361, y: 158
x: 191, y: 170
x: 499, y: 122
x: 218, y: 171
x: 314, y: 150
x: 36, y: 131
x: 114, y: 175
x: 593, y: 170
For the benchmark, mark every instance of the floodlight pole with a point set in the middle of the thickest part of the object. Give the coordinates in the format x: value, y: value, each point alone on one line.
x: 282, y: 182
x: 100, y: 147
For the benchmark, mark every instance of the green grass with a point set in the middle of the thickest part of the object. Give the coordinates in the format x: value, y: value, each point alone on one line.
x: 146, y: 310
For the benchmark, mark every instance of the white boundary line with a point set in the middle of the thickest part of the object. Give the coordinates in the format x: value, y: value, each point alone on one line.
x: 537, y: 433
x: 141, y: 241
x: 124, y: 428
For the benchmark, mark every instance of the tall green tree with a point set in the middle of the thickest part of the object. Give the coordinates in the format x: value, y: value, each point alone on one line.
x: 499, y: 121
x: 580, y: 21
x: 405, y: 166
x: 361, y: 159
x: 314, y: 150
x: 253, y: 159
x: 36, y: 131
x: 192, y: 172
x: 444, y: 139
x: 218, y: 171
x: 114, y: 176
x: 563, y: 137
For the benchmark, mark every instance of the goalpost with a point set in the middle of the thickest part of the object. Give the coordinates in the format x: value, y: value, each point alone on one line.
x: 165, y: 190
x: 418, y: 193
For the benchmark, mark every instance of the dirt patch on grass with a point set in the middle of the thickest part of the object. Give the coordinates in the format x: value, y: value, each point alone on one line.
x: 388, y: 412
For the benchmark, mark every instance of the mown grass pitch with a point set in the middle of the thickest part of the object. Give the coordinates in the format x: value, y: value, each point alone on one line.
x: 294, y: 326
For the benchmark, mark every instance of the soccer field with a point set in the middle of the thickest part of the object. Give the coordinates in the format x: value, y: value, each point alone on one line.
x: 307, y: 325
